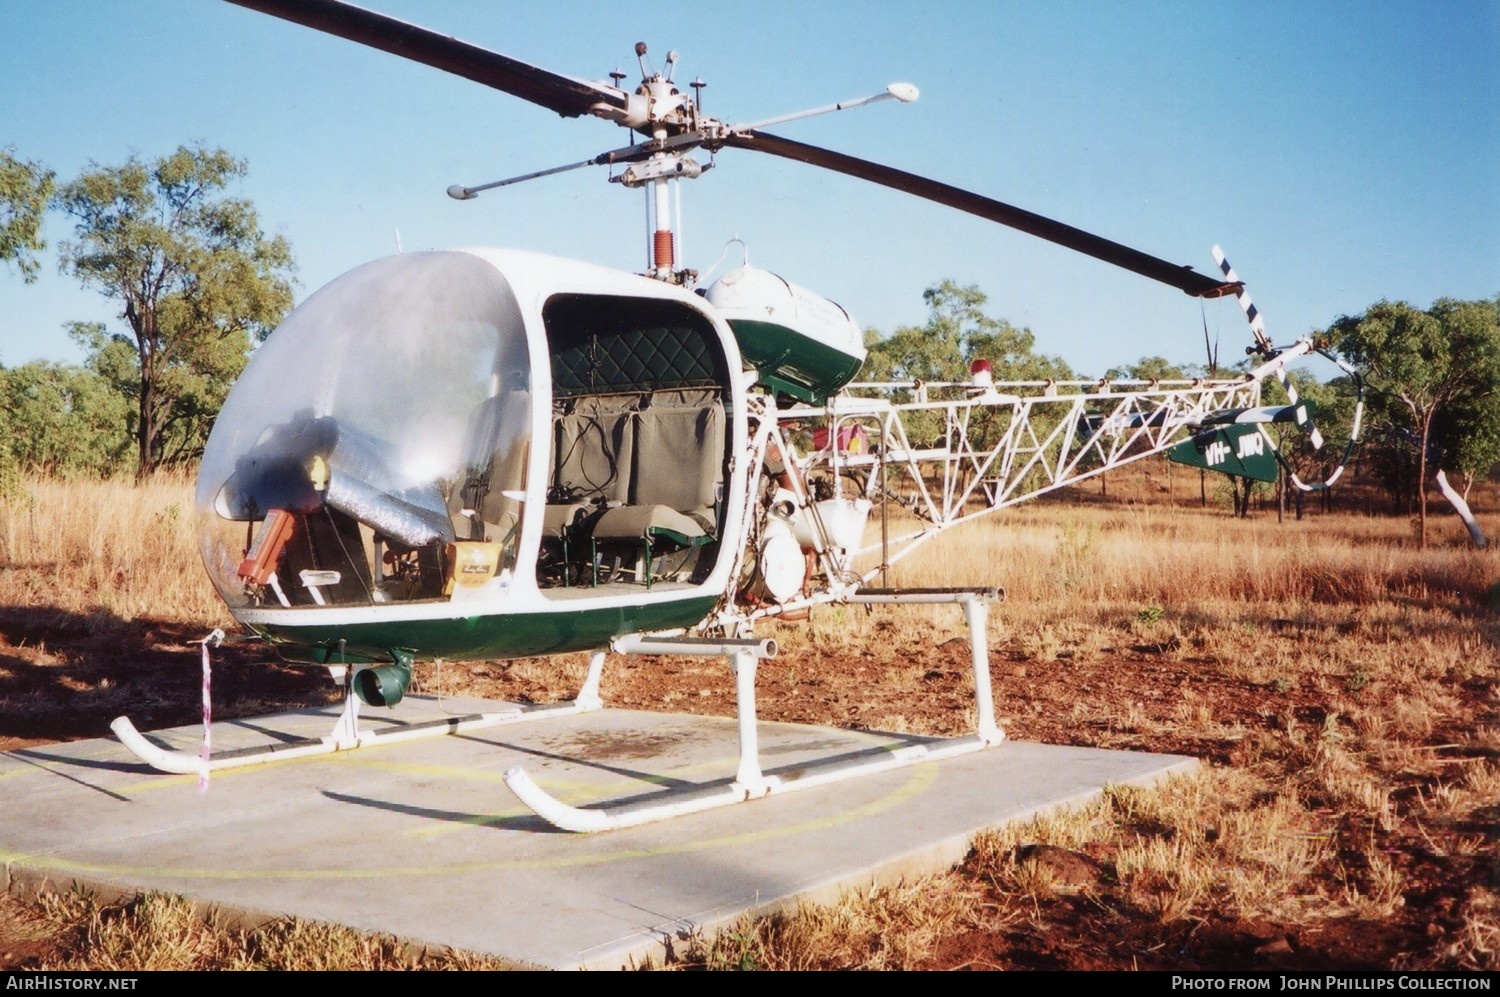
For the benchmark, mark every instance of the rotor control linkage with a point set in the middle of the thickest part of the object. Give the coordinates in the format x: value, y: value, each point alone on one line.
x: 624, y: 154
x: 709, y: 133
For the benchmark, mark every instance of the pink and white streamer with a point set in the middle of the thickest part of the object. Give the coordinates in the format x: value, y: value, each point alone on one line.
x: 208, y: 710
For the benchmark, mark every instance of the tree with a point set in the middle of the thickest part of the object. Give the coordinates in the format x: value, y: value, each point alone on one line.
x: 61, y: 419
x: 957, y: 331
x: 1466, y: 434
x: 25, y: 189
x: 1435, y: 370
x: 197, y: 279
x: 1152, y: 369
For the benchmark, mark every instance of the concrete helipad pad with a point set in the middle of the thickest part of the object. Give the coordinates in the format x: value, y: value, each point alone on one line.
x: 422, y: 839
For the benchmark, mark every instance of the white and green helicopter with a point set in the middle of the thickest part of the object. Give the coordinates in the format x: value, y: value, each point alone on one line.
x: 609, y: 466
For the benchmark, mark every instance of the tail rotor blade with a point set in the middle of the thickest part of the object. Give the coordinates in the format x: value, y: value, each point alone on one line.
x: 1252, y: 314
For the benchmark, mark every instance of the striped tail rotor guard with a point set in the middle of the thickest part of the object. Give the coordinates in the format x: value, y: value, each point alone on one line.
x: 1304, y: 421
x: 1263, y: 343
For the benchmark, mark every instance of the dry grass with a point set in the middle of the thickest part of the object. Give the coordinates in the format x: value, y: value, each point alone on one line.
x: 1477, y: 944
x: 157, y: 931
x: 112, y: 549
x: 880, y: 928
x: 1107, y: 562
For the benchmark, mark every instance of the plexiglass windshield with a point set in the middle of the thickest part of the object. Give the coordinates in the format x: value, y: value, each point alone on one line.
x: 377, y: 437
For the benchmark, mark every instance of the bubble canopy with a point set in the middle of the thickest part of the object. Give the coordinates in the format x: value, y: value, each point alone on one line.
x: 397, y: 397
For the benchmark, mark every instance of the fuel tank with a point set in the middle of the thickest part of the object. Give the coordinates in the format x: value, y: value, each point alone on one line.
x: 799, y: 343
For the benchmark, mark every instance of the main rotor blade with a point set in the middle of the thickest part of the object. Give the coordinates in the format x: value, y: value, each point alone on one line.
x: 563, y: 94
x: 1182, y: 277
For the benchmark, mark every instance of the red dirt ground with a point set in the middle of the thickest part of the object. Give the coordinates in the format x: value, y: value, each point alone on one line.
x: 64, y: 677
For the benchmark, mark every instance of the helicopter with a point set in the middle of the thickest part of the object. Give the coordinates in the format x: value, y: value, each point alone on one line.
x: 612, y: 462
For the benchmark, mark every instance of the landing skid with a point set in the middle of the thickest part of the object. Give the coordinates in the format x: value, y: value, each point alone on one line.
x: 750, y: 781
x: 347, y: 736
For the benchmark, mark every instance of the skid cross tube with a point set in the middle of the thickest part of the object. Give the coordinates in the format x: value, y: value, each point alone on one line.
x: 975, y: 602
x: 751, y: 782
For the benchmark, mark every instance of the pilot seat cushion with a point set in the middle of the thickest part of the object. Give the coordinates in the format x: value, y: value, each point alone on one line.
x: 649, y: 523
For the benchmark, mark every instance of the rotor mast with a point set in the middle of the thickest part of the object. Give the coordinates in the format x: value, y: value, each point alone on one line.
x: 665, y: 225
x: 668, y: 110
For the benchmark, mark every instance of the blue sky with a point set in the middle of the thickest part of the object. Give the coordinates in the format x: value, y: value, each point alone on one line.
x: 1340, y: 152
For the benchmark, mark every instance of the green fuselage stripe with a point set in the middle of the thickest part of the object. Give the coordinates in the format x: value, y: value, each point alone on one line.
x: 490, y: 637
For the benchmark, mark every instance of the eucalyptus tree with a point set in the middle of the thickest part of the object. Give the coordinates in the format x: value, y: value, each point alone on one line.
x: 196, y: 278
x: 25, y: 189
x: 1437, y: 373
